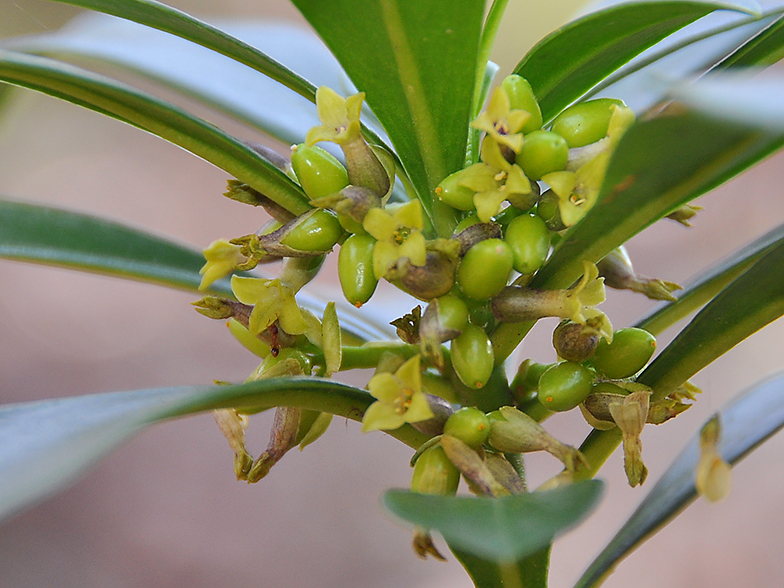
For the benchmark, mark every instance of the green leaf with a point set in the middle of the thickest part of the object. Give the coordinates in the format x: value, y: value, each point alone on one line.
x: 746, y: 422
x: 165, y: 18
x: 47, y: 445
x: 753, y: 300
x: 504, y: 529
x: 155, y: 116
x: 416, y: 61
x: 529, y: 572
x: 570, y: 61
x: 659, y: 165
x: 41, y: 234
x: 706, y: 286
x: 765, y: 48
x: 200, y: 73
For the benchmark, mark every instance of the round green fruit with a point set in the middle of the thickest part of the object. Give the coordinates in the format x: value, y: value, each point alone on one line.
x: 318, y: 232
x: 470, y: 425
x: 543, y: 152
x: 529, y: 239
x: 318, y: 172
x: 564, y: 386
x: 521, y: 97
x: 485, y: 268
x: 355, y: 269
x: 472, y: 356
x: 434, y: 473
x: 452, y: 312
x: 452, y: 193
x: 628, y: 353
x: 586, y: 122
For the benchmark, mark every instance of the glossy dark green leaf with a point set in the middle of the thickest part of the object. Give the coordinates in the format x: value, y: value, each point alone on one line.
x: 529, y: 572
x: 765, y: 48
x: 41, y: 234
x: 200, y: 73
x: 746, y: 422
x: 570, y: 61
x: 46, y: 445
x: 416, y: 61
x: 155, y: 116
x: 504, y: 529
x: 658, y: 166
x: 706, y: 286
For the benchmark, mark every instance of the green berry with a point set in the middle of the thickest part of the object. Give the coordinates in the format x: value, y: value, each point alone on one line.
x: 318, y: 172
x: 628, y: 353
x: 485, y: 269
x: 529, y: 239
x: 452, y: 312
x: 318, y: 232
x: 564, y: 386
x: 452, y: 193
x: 586, y: 122
x: 549, y: 211
x: 472, y: 356
x: 543, y: 152
x: 470, y: 425
x: 434, y: 473
x: 355, y: 269
x: 521, y: 97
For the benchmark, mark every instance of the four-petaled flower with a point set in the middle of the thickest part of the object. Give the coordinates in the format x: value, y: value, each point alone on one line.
x: 397, y: 230
x: 222, y: 257
x: 339, y: 117
x: 502, y: 123
x: 494, y: 181
x: 400, y: 399
x: 272, y: 301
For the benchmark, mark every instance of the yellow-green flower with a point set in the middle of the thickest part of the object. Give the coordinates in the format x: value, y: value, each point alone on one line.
x: 501, y: 123
x: 222, y: 257
x: 271, y: 301
x: 400, y: 399
x: 339, y: 117
x: 398, y: 233
x: 494, y: 181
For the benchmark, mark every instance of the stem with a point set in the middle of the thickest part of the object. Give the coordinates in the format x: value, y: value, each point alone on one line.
x: 506, y: 337
x: 368, y: 356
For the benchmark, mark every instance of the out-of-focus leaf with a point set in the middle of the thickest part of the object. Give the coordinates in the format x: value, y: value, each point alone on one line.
x: 530, y: 572
x: 41, y: 234
x: 765, y: 48
x: 706, y: 286
x: 659, y: 165
x: 416, y: 62
x: 570, y: 61
x: 45, y: 446
x: 205, y: 75
x: 504, y: 529
x: 155, y: 116
x: 746, y: 422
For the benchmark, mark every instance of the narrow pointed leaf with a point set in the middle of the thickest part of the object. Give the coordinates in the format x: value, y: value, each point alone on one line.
x: 42, y: 234
x: 200, y: 73
x: 47, y: 445
x: 746, y: 422
x: 713, y: 281
x: 504, y: 529
x: 658, y: 166
x: 155, y: 116
x: 570, y: 61
x: 416, y: 62
x: 765, y: 48
x: 529, y: 572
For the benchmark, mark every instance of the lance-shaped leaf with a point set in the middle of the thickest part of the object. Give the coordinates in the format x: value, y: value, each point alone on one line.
x: 155, y: 116
x: 765, y: 48
x: 504, y: 529
x: 713, y: 281
x: 202, y: 74
x: 746, y: 422
x: 570, y: 61
x: 416, y: 62
x: 659, y: 165
x: 45, y: 446
x: 530, y: 572
x: 753, y: 300
x: 42, y: 234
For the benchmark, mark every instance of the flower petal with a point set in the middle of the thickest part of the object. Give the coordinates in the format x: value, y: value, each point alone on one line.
x: 381, y: 417
x: 414, y: 248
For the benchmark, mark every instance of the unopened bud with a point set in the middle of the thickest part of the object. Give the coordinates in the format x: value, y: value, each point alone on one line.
x: 242, y: 192
x: 282, y: 438
x: 472, y: 466
x: 630, y: 415
x: 233, y: 426
x: 431, y: 280
x: 714, y: 474
x: 618, y: 273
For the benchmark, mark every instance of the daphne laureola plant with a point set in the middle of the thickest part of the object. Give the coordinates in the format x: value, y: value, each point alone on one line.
x: 489, y: 204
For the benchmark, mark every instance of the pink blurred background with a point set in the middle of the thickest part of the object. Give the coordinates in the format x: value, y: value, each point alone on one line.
x: 165, y: 510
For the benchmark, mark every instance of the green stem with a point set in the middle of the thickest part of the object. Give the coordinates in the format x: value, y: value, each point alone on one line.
x: 597, y: 448
x: 506, y: 337
x: 368, y: 356
x: 492, y: 23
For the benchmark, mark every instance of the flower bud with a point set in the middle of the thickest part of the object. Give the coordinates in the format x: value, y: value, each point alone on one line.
x: 618, y: 273
x: 630, y: 416
x: 472, y: 466
x: 575, y: 342
x: 714, y: 474
x: 431, y: 280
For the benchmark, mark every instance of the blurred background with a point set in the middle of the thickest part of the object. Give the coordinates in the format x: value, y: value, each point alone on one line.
x: 166, y: 511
